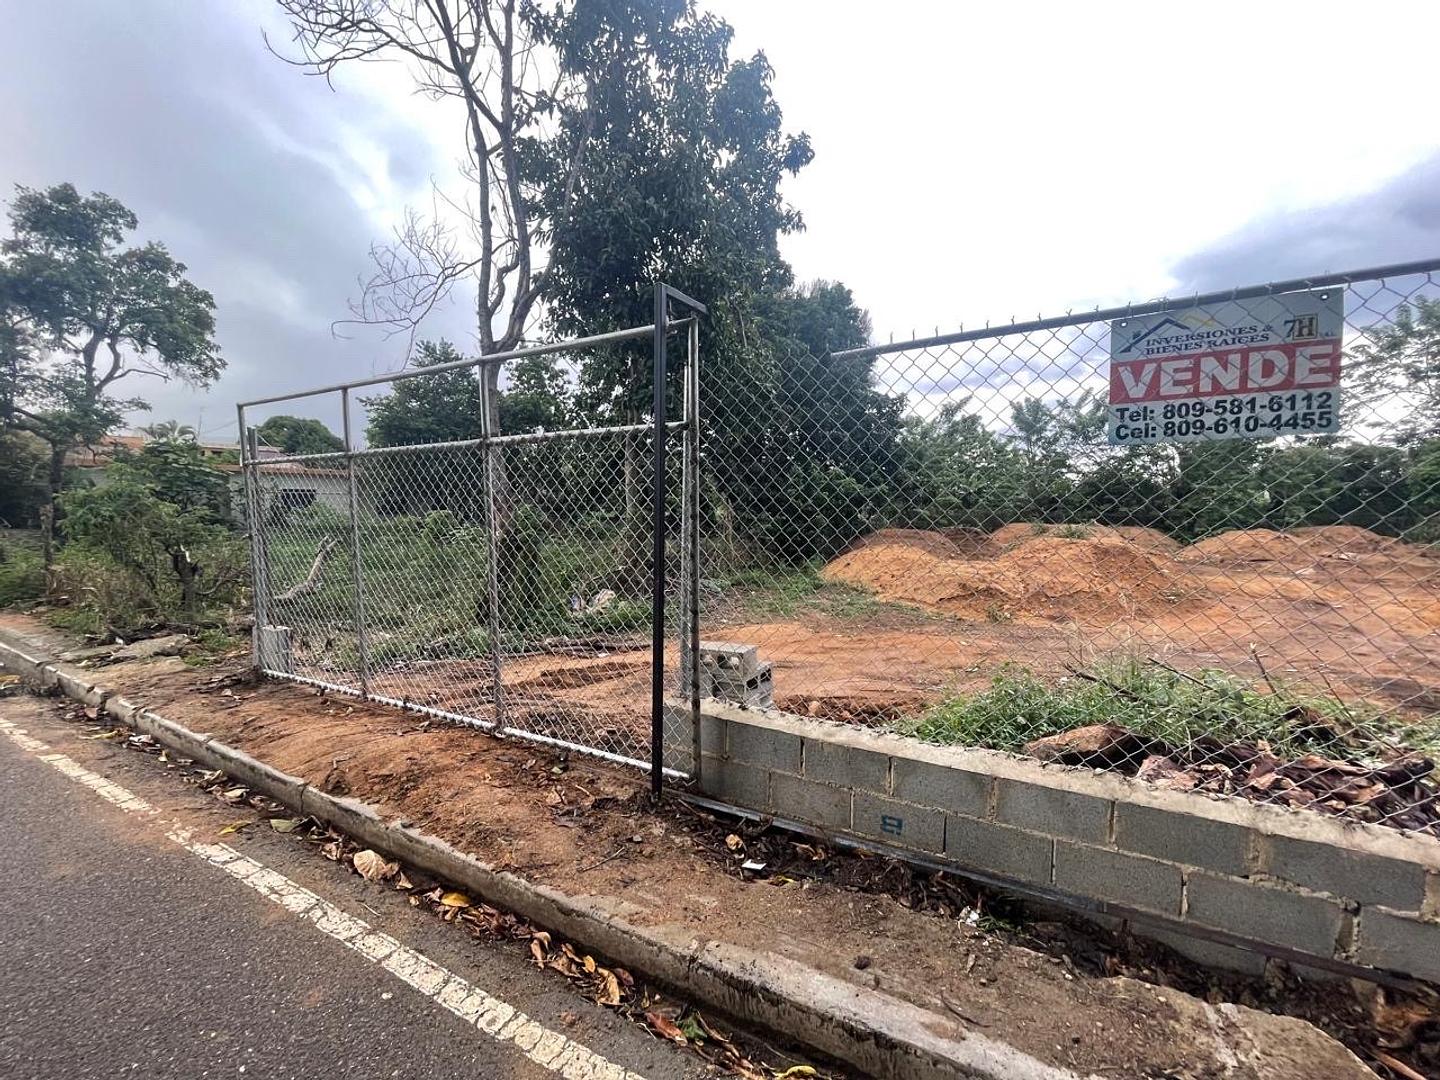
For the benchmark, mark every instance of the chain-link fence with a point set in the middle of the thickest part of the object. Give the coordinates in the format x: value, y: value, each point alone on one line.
x: 1193, y: 541
x: 490, y: 558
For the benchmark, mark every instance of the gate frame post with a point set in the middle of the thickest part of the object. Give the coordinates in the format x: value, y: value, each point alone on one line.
x: 492, y: 545
x: 362, y: 643
x: 663, y: 295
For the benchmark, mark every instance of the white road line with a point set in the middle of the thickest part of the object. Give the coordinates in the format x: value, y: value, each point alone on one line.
x: 490, y: 1015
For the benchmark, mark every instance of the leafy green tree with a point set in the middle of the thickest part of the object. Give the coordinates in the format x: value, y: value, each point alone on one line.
x: 170, y: 431
x: 82, y: 313
x: 24, y: 464
x: 299, y: 435
x: 444, y: 407
x: 1398, y: 369
x: 182, y: 560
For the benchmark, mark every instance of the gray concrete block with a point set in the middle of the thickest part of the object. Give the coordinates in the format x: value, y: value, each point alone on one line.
x: 758, y: 744
x: 1218, y: 846
x: 1268, y: 913
x: 1052, y: 810
x: 824, y: 805
x: 1210, y: 953
x: 1397, y: 942
x: 836, y: 763
x: 1132, y: 880
x: 736, y: 783
x: 1341, y: 872
x: 956, y: 790
x: 902, y: 824
x: 998, y: 849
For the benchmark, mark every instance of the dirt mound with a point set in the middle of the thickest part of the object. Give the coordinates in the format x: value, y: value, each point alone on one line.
x: 1047, y: 577
x: 1306, y: 548
x: 971, y: 543
x: 932, y: 543
x: 1025, y: 532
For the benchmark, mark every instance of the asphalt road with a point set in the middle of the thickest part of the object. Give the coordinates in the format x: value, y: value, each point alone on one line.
x: 125, y: 954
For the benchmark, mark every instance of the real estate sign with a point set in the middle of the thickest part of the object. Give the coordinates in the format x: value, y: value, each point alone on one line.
x: 1239, y: 369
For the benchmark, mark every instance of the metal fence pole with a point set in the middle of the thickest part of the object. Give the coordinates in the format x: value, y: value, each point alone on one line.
x: 259, y: 552
x: 361, y: 638
x: 252, y: 524
x: 657, y: 524
x: 692, y: 518
x: 492, y: 545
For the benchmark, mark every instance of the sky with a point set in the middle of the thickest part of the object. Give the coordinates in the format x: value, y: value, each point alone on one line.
x: 974, y: 162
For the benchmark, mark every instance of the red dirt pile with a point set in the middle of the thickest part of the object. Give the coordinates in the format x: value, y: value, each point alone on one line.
x: 1046, y: 576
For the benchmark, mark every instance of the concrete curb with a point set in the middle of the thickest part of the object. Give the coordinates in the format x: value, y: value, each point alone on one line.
x: 871, y: 1031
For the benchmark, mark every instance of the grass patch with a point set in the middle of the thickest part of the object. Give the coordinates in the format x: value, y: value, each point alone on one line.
x: 1155, y: 703
x: 787, y: 592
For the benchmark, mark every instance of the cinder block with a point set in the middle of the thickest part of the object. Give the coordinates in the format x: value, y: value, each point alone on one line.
x: 823, y: 805
x: 734, y: 782
x: 956, y: 790
x: 1218, y: 846
x: 1397, y: 942
x: 764, y: 746
x: 899, y: 823
x: 1210, y: 953
x: 998, y: 849
x: 1131, y: 880
x: 1349, y: 874
x: 1268, y: 913
x: 836, y: 763
x: 1052, y: 810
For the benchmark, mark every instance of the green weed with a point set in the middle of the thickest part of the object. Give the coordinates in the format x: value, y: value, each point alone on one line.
x: 1156, y: 703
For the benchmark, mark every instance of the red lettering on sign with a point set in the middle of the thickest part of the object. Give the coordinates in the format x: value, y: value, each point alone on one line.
x: 1272, y: 368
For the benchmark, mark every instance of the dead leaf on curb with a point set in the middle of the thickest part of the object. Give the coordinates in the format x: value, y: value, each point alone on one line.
x: 234, y: 827
x: 284, y: 825
x: 666, y: 1027
x: 371, y: 865
x: 609, y: 992
x: 734, y: 843
x: 235, y: 794
x: 455, y: 900
x: 796, y: 1070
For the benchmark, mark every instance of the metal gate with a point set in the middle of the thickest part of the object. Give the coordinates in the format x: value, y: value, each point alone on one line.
x: 490, y: 567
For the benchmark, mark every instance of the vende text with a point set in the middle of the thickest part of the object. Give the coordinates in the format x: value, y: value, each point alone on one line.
x: 1275, y: 367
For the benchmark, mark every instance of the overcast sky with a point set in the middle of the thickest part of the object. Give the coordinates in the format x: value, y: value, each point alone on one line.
x: 973, y: 161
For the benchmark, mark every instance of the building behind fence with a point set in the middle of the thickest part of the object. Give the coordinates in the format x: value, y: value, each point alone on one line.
x: 976, y: 539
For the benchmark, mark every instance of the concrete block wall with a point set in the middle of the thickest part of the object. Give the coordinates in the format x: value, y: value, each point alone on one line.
x: 1294, y: 879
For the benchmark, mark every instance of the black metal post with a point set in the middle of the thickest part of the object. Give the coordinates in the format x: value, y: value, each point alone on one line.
x: 657, y: 603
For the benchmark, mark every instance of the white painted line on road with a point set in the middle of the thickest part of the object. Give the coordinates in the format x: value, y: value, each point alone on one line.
x: 495, y: 1018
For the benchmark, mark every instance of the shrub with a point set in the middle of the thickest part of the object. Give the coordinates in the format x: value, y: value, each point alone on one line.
x: 22, y: 573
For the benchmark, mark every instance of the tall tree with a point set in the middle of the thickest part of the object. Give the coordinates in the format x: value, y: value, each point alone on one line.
x: 82, y: 312
x: 490, y: 58
x: 299, y: 435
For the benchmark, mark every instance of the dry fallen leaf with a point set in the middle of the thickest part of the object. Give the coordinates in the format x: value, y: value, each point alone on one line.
x: 234, y: 827
x: 537, y: 951
x: 284, y: 825
x: 371, y: 865
x: 796, y: 1070
x: 733, y: 842
x: 666, y: 1027
x: 455, y: 899
x: 610, y: 988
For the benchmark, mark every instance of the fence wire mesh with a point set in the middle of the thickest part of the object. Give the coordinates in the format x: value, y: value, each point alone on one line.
x: 1240, y: 597
x: 502, y: 580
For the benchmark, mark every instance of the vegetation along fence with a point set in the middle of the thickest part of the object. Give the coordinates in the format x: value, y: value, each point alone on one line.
x: 1196, y: 541
x: 484, y: 563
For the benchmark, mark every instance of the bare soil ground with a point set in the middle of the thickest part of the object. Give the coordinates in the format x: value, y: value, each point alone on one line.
x: 1337, y: 609
x: 588, y: 829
